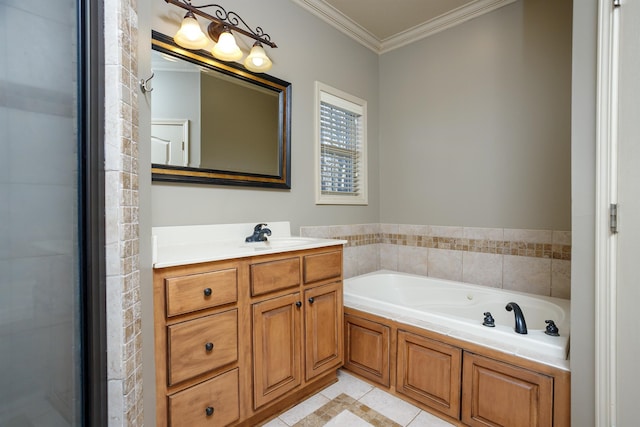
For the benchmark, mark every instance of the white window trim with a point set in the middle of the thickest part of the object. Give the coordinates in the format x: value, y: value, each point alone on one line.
x: 347, y: 101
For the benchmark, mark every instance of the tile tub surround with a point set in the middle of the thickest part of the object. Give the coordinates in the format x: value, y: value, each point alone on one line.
x: 533, y: 261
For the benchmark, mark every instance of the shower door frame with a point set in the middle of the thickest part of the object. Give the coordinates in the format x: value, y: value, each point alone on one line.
x: 91, y: 208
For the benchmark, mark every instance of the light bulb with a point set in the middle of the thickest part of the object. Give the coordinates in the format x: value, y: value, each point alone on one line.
x: 190, y: 36
x: 226, y: 49
x: 257, y: 61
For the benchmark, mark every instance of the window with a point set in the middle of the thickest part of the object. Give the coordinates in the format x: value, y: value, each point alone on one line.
x: 341, y: 141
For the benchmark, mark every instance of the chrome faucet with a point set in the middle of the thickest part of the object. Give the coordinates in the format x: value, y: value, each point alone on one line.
x: 521, y: 324
x: 259, y: 233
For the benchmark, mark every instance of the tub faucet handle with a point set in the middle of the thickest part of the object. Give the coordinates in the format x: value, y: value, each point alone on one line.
x: 552, y: 329
x: 489, y: 320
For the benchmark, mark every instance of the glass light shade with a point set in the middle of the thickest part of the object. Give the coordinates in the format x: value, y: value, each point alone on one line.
x: 257, y: 61
x: 226, y: 49
x: 190, y: 36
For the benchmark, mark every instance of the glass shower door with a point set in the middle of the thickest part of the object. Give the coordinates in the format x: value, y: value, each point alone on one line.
x: 40, y: 320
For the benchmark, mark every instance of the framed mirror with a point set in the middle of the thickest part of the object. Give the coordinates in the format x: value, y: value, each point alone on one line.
x: 215, y: 122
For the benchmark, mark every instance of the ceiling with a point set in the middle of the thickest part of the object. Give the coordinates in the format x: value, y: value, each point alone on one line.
x: 384, y: 25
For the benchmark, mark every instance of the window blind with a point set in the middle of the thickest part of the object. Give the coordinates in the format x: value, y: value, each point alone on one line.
x: 340, y: 147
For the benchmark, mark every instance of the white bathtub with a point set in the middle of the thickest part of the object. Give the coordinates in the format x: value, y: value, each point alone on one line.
x: 457, y: 309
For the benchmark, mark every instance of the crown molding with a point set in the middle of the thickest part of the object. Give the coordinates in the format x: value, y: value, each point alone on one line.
x: 347, y: 26
x: 335, y: 18
x: 441, y: 23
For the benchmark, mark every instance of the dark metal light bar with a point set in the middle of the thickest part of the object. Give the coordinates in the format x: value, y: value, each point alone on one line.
x: 222, y: 18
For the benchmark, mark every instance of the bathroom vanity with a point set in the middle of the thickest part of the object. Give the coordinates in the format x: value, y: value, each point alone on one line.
x: 243, y: 330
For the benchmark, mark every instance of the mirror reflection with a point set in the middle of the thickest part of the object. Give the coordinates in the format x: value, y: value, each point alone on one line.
x: 216, y: 122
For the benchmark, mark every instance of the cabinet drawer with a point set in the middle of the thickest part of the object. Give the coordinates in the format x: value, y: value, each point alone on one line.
x: 275, y: 275
x: 322, y: 266
x: 199, y: 291
x: 214, y: 402
x: 201, y: 345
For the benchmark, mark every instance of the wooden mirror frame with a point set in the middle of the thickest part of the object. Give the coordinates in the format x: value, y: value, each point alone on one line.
x: 170, y: 173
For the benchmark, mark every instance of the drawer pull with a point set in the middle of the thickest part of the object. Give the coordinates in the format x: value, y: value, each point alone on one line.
x: 209, y: 411
x: 311, y: 300
x: 207, y: 292
x: 209, y: 346
x: 299, y: 304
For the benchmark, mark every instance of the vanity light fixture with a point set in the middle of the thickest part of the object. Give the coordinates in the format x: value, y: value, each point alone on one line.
x: 226, y: 49
x: 190, y: 36
x: 257, y: 60
x: 220, y: 30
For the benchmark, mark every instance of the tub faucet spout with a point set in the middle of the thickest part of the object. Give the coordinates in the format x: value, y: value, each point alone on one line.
x: 521, y: 324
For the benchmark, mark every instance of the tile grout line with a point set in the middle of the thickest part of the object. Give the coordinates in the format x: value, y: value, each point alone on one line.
x: 414, y: 418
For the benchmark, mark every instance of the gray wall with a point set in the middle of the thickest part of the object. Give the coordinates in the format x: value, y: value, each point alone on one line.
x: 583, y: 173
x: 308, y: 50
x: 475, y: 122
x: 343, y: 64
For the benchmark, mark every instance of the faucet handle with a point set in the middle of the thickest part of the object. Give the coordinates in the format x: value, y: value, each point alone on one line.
x: 259, y: 226
x: 489, y: 320
x: 552, y: 329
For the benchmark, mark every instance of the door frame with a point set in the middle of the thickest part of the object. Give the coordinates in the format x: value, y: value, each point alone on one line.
x: 91, y: 208
x: 606, y: 195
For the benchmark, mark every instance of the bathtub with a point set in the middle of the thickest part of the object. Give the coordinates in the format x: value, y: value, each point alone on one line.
x: 457, y: 309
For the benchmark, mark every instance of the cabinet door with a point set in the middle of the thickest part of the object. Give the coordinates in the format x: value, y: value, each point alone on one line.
x: 323, y: 329
x: 429, y: 372
x: 277, y: 347
x: 498, y: 394
x: 367, y: 349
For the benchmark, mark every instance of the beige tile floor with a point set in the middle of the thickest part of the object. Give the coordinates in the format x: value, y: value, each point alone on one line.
x: 354, y: 403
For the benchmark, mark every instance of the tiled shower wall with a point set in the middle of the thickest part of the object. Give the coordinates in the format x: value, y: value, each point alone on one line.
x: 124, y: 320
x: 533, y: 261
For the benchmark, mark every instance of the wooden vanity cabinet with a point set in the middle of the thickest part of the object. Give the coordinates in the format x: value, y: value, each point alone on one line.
x: 466, y: 382
x: 196, y: 324
x: 237, y: 341
x: 297, y: 336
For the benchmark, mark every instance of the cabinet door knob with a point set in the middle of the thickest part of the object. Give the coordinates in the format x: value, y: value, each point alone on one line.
x: 299, y: 304
x: 209, y: 346
x: 311, y: 300
x: 207, y: 292
x: 209, y: 410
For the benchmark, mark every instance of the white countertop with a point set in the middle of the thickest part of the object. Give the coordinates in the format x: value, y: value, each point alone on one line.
x: 183, y: 245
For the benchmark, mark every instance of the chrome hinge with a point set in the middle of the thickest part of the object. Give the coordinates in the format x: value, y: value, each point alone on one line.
x: 617, y: 3
x: 613, y: 218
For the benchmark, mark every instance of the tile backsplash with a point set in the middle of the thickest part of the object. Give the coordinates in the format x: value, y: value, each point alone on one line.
x: 533, y: 261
